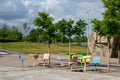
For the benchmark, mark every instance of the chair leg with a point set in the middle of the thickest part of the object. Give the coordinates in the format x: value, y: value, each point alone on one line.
x: 43, y: 63
x: 80, y: 64
x: 33, y: 64
x: 94, y: 67
x: 84, y: 66
x: 71, y: 67
x: 22, y: 62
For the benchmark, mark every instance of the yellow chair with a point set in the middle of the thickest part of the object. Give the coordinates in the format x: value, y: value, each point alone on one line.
x: 70, y: 56
x: 86, y: 59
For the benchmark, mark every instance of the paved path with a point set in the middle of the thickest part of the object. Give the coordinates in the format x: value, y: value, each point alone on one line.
x: 40, y: 73
x: 10, y: 70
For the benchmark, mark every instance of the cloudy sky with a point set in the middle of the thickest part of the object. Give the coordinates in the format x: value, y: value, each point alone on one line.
x: 16, y: 12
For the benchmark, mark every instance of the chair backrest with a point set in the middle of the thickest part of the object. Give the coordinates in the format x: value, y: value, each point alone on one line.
x: 36, y: 56
x: 86, y: 59
x: 46, y: 56
x: 19, y: 57
x: 96, y: 59
x: 81, y: 55
x: 61, y: 56
x: 75, y: 59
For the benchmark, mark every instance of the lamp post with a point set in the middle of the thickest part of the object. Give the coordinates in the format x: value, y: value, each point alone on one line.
x: 87, y: 12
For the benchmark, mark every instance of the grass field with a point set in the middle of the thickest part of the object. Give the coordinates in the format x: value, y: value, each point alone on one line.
x: 30, y: 47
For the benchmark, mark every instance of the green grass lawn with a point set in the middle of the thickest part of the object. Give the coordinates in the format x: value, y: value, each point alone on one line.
x: 31, y: 47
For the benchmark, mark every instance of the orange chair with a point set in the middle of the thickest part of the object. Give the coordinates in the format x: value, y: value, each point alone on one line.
x: 33, y: 58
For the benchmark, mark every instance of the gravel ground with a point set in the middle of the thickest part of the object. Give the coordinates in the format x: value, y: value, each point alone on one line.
x: 43, y: 73
x: 10, y: 69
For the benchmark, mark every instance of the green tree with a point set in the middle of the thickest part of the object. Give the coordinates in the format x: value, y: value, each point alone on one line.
x: 45, y: 22
x: 61, y: 25
x: 65, y: 28
x: 34, y: 35
x: 14, y: 34
x: 69, y: 31
x: 26, y: 29
x: 110, y: 25
x: 79, y: 29
x: 4, y: 31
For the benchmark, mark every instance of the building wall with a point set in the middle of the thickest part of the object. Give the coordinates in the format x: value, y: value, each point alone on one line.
x: 98, y: 44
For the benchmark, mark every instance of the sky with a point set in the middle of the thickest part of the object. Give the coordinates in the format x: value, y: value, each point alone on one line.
x: 16, y: 12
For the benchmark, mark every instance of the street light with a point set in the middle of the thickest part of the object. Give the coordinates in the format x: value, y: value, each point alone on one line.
x: 87, y: 12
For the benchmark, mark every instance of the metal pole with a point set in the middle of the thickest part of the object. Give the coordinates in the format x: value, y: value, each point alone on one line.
x: 87, y: 12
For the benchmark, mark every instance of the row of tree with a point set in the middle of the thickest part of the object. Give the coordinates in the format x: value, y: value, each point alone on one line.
x: 62, y: 31
x: 10, y: 34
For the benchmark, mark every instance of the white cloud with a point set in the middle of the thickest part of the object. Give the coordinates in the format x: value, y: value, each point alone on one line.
x: 12, y: 9
x: 19, y: 11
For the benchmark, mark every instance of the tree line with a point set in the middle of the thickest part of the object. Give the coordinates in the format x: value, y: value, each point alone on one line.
x: 8, y: 34
x: 47, y: 31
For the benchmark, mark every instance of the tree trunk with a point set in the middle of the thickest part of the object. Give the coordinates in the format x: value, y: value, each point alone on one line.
x: 118, y: 50
x: 79, y: 40
x: 69, y: 49
x: 49, y: 50
x: 114, y: 53
x: 108, y: 55
x: 118, y: 55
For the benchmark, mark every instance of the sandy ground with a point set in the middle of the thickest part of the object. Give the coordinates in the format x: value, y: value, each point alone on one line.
x: 10, y: 69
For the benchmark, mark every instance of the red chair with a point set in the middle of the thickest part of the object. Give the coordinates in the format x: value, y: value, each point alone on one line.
x: 73, y: 61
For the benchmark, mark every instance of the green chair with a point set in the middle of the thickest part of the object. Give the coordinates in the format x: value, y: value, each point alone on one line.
x: 81, y: 58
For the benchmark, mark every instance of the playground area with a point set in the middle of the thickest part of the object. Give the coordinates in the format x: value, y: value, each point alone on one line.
x: 11, y: 69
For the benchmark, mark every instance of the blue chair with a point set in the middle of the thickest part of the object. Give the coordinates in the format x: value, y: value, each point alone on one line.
x: 22, y: 59
x: 95, y: 61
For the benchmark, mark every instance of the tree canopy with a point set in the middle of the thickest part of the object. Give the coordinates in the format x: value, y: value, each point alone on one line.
x: 45, y: 22
x: 110, y: 25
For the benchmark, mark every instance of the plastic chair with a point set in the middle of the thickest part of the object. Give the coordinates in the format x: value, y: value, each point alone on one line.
x: 22, y: 59
x: 81, y: 58
x: 46, y: 56
x: 62, y: 57
x: 74, y: 61
x: 86, y: 59
x: 33, y: 57
x: 96, y: 60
